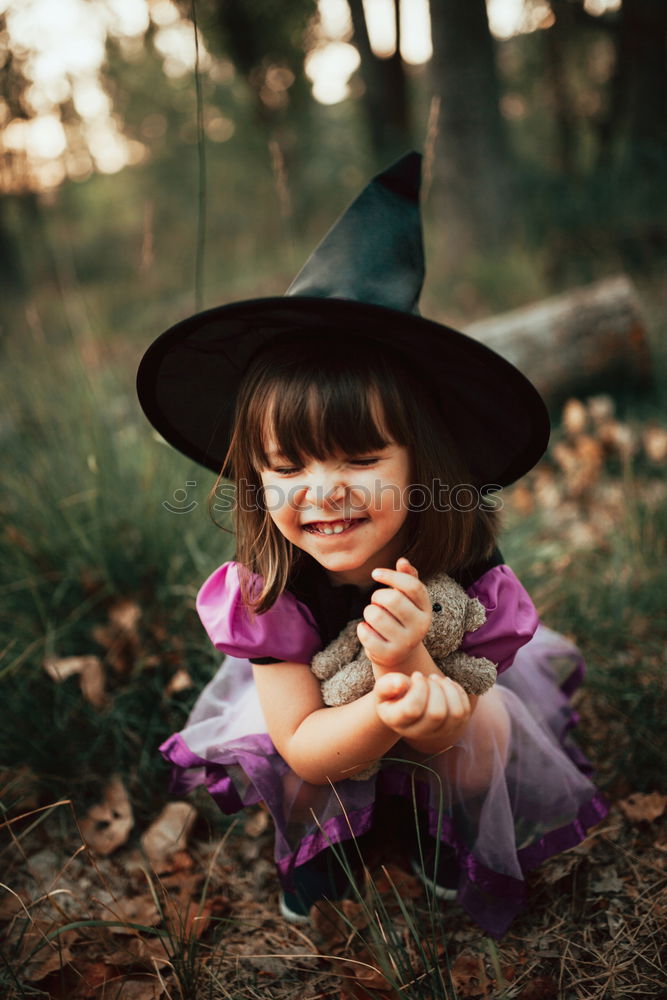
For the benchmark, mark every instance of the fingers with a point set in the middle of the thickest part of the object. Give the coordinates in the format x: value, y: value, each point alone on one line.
x: 402, y: 712
x: 423, y: 706
x: 406, y: 581
x: 391, y: 686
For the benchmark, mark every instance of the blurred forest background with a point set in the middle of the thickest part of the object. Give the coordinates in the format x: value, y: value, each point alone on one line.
x: 161, y: 156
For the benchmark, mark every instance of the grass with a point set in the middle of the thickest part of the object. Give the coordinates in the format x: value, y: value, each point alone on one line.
x: 93, y: 564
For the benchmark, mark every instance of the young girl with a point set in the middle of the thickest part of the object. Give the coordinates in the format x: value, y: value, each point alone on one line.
x: 364, y: 444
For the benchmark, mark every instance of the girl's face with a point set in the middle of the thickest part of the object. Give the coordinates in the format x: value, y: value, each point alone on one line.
x: 347, y: 511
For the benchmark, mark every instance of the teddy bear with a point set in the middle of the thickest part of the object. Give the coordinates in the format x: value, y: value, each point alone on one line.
x: 345, y: 672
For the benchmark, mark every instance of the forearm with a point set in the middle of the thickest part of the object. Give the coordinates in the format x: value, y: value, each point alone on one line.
x: 334, y: 743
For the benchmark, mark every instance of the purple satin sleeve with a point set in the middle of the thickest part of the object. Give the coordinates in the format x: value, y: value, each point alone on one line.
x: 511, y: 618
x: 287, y: 631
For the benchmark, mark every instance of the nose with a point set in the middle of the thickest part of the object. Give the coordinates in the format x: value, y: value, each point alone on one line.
x: 325, y: 489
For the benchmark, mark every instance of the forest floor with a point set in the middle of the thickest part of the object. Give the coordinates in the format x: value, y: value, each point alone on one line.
x: 189, y: 910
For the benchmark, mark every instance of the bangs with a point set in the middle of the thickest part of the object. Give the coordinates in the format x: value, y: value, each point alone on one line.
x: 316, y: 406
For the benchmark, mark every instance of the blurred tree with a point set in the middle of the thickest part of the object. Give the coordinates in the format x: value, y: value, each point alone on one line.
x: 636, y: 130
x: 385, y: 97
x: 266, y: 40
x: 472, y: 168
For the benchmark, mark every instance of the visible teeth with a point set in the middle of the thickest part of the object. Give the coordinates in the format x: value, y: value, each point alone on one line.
x: 327, y: 529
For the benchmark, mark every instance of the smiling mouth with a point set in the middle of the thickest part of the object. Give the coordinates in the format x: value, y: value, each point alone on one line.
x: 333, y: 527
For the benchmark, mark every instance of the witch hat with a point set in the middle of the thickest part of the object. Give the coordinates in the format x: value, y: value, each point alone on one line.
x: 367, y: 275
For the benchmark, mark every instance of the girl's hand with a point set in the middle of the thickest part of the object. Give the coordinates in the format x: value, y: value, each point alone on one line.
x: 428, y: 712
x: 396, y: 620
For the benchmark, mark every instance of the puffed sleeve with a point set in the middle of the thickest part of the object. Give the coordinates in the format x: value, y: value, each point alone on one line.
x: 287, y: 631
x: 511, y: 617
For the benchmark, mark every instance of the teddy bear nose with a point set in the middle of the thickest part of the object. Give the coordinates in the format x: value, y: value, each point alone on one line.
x: 437, y: 607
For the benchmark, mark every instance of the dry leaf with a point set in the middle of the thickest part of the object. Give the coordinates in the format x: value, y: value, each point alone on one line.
x: 120, y: 637
x: 188, y: 918
x: 367, y: 976
x: 522, y: 499
x: 39, y: 956
x: 541, y: 988
x: 135, y: 988
x: 575, y: 417
x: 137, y: 951
x: 392, y: 879
x: 125, y: 615
x: 654, y: 440
x: 181, y: 681
x: 133, y: 910
x: 469, y: 976
x: 600, y: 408
x: 168, y: 834
x: 256, y: 823
x: 643, y: 808
x: 91, y: 676
x: 617, y: 438
x: 107, y: 825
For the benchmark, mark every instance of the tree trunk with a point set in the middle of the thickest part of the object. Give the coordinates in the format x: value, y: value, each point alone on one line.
x: 471, y: 169
x: 577, y: 342
x: 636, y: 131
x: 385, y: 98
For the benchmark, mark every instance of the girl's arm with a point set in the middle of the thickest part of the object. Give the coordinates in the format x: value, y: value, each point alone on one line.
x: 319, y: 743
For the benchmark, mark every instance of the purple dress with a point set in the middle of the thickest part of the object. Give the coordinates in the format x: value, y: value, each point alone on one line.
x: 537, y: 798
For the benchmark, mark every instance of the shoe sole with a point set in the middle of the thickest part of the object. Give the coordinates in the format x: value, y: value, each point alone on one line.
x: 290, y: 915
x: 439, y: 891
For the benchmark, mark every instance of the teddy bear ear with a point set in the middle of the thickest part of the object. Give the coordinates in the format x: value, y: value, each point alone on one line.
x: 475, y: 614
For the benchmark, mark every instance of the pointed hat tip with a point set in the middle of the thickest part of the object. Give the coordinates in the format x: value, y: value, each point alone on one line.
x: 404, y: 176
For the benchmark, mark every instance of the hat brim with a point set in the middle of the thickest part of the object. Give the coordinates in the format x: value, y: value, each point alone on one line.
x: 188, y: 378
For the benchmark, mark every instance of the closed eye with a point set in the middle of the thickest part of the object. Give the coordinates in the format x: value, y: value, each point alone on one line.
x: 363, y: 461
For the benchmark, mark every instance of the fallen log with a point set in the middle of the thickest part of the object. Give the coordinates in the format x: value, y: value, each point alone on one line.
x: 576, y: 343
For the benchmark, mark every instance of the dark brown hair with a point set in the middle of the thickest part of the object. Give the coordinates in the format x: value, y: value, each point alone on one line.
x: 345, y: 394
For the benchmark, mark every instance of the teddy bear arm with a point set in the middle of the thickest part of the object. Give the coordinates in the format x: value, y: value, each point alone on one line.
x: 340, y: 651
x: 351, y: 682
x: 475, y: 674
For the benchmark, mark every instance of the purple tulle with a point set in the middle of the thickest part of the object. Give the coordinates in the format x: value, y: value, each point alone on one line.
x: 537, y: 802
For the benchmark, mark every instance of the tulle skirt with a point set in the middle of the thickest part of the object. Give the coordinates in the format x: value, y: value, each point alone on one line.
x: 506, y: 797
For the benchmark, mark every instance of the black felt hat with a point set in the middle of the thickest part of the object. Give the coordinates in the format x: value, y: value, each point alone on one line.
x: 364, y: 277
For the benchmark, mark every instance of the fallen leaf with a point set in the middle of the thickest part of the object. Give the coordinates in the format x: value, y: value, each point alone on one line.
x: 41, y: 956
x: 133, y: 910
x: 125, y: 615
x: 616, y: 438
x: 181, y: 681
x: 392, y: 879
x: 654, y: 440
x: 541, y: 988
x: 469, y: 976
x: 368, y: 976
x: 558, y: 869
x: 141, y: 952
x: 107, y: 825
x: 640, y: 807
x: 92, y: 678
x: 600, y: 408
x: 607, y: 882
x: 574, y: 417
x: 186, y: 919
x: 256, y: 823
x: 135, y: 988
x: 168, y: 834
